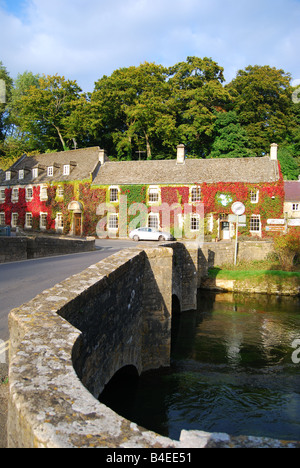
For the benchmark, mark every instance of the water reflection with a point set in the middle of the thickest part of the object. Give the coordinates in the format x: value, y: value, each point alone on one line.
x: 231, y: 371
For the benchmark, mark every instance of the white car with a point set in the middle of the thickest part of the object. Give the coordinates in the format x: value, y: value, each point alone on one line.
x: 146, y: 233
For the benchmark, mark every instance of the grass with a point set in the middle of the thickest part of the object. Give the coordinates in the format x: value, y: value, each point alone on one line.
x: 256, y: 269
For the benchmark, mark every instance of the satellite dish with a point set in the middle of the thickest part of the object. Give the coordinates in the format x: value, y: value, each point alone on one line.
x: 238, y: 208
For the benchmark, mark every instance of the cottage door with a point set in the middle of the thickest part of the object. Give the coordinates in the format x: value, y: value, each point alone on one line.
x: 225, y: 230
x: 77, y: 224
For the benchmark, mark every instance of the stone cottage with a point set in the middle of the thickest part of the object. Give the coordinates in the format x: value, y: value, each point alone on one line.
x: 75, y: 192
x: 292, y: 202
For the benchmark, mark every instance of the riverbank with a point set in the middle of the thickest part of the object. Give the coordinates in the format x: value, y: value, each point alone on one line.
x: 253, y: 277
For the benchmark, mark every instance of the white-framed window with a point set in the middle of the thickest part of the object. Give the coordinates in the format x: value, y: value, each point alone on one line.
x: 2, y: 195
x: 153, y: 194
x: 66, y: 170
x: 195, y: 222
x: 43, y: 220
x: 2, y: 219
x: 60, y: 191
x: 113, y: 222
x: 254, y: 196
x: 50, y: 171
x: 29, y: 193
x: 43, y: 193
x: 35, y: 172
x: 21, y: 174
x: 113, y: 194
x: 28, y: 220
x: 196, y: 194
x: 255, y: 225
x: 296, y: 207
x: 59, y: 222
x: 14, y: 220
x: 8, y: 175
x: 153, y: 220
x: 15, y: 194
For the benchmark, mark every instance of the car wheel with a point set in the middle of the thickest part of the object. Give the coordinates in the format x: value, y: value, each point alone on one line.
x: 161, y: 238
x: 136, y: 238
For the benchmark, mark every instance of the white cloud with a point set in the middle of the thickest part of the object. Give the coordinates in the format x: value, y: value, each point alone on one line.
x: 84, y: 39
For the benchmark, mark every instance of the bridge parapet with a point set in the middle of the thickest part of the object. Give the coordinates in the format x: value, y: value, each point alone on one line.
x: 69, y: 341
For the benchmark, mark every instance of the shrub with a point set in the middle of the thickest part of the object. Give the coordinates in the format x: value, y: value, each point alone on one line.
x: 287, y: 247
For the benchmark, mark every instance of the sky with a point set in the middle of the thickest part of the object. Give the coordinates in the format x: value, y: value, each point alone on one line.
x: 83, y: 40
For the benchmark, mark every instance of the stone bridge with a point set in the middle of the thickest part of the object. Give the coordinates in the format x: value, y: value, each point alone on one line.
x: 68, y: 342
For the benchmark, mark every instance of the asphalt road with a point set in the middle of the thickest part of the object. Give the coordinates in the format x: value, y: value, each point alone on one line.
x: 22, y: 281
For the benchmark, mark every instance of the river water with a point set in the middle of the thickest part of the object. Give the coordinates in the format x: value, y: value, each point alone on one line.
x: 233, y: 370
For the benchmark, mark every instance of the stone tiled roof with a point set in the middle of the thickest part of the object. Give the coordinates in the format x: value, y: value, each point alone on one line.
x: 292, y: 190
x: 248, y: 170
x: 83, y: 163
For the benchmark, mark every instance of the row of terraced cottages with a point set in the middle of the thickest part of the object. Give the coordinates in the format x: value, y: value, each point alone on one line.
x: 82, y: 193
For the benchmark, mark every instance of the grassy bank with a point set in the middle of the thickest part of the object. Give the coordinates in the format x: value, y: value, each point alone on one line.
x: 247, y: 270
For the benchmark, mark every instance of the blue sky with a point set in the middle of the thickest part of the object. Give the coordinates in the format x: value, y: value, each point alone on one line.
x: 86, y: 39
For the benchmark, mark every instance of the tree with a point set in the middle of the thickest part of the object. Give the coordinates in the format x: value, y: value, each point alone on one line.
x: 45, y: 112
x: 230, y: 140
x: 6, y: 89
x: 133, y: 109
x: 288, y: 162
x: 262, y: 99
x: 198, y: 93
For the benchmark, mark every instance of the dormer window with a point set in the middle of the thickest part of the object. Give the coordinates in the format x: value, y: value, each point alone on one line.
x: 50, y: 171
x: 66, y: 169
x: 21, y: 174
x: 35, y: 172
x: 8, y: 175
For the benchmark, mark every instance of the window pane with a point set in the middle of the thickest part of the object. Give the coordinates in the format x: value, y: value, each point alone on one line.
x: 113, y: 222
x: 113, y: 194
x: 255, y: 223
x: 194, y: 223
x: 196, y: 194
x: 153, y: 195
x: 153, y: 221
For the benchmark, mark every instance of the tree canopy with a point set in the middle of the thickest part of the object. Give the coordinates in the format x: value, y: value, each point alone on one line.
x: 145, y: 111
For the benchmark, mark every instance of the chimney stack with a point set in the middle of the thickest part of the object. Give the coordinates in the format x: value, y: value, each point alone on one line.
x: 102, y: 156
x: 273, y: 153
x: 180, y: 154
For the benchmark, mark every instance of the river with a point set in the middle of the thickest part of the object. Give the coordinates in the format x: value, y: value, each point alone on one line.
x: 233, y: 370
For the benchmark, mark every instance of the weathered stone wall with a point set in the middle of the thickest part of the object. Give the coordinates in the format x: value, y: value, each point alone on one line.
x: 219, y: 253
x: 46, y: 246
x: 14, y: 249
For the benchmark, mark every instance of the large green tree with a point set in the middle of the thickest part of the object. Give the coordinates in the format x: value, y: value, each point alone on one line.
x: 230, y: 138
x: 133, y: 111
x: 198, y: 92
x: 44, y: 112
x: 262, y: 99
